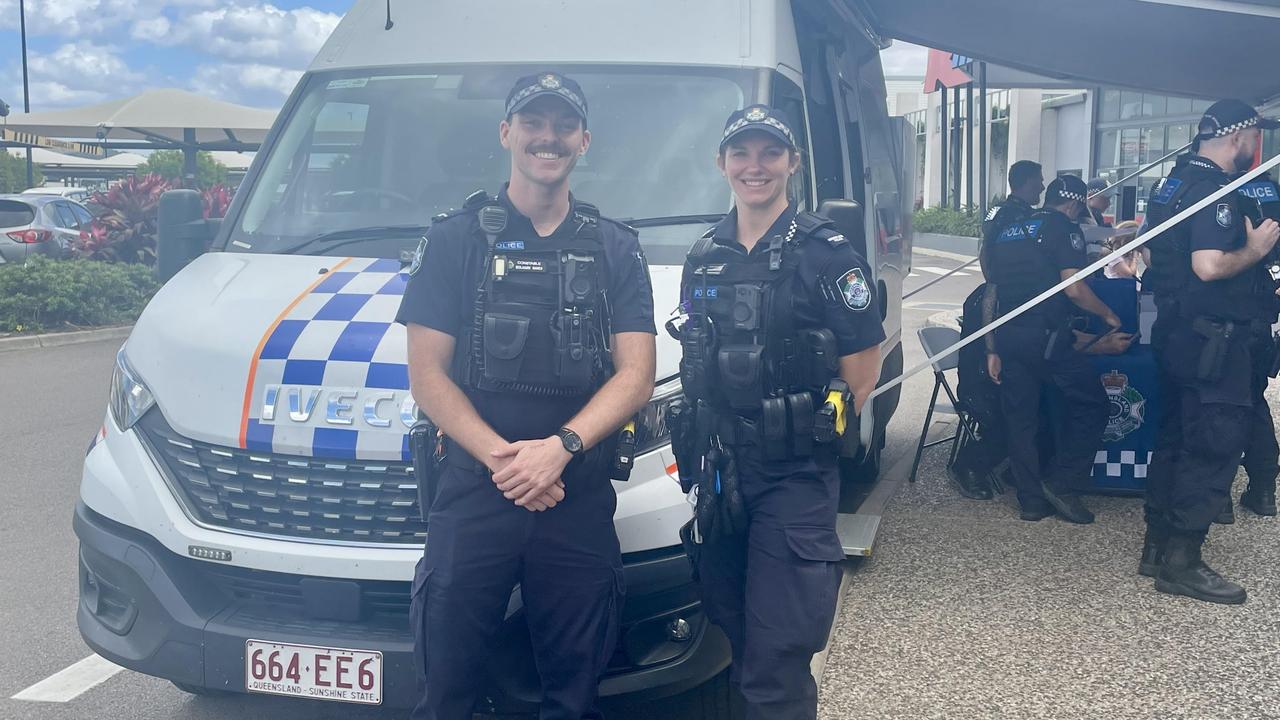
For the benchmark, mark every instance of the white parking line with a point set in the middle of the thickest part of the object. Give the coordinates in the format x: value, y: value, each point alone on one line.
x: 931, y: 269
x: 68, y: 684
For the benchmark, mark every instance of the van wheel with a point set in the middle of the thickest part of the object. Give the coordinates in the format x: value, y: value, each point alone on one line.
x: 716, y: 699
x: 199, y: 689
x: 857, y: 478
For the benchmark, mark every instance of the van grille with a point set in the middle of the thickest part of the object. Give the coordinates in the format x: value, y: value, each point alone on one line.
x: 290, y: 495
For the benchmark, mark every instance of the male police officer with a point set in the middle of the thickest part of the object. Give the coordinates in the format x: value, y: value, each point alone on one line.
x: 517, y: 356
x: 780, y: 306
x: 1215, y: 306
x: 1099, y: 201
x: 1027, y: 258
x: 1026, y: 182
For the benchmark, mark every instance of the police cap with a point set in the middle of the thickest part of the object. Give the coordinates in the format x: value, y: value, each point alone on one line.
x: 547, y: 83
x: 1097, y: 185
x: 1228, y: 116
x: 758, y: 117
x: 1065, y: 187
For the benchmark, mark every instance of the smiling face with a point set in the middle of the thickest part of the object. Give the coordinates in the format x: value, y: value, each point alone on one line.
x: 545, y: 138
x: 757, y: 166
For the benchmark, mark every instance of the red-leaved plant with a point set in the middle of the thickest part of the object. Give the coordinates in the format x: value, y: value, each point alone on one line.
x: 216, y: 199
x: 124, y: 229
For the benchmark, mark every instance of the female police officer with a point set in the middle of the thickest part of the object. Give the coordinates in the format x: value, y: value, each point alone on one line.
x: 777, y: 305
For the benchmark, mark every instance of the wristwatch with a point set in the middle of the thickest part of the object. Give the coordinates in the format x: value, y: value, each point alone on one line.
x: 570, y: 440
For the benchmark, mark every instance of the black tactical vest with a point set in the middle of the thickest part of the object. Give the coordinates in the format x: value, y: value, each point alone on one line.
x: 741, y: 343
x: 1021, y: 269
x: 540, y: 322
x: 1171, y: 251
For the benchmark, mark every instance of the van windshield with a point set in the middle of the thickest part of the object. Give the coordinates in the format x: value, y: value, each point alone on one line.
x: 383, y: 151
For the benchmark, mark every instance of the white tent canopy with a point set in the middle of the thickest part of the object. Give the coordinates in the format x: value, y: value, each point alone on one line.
x: 1200, y: 48
x: 158, y: 116
x: 46, y: 158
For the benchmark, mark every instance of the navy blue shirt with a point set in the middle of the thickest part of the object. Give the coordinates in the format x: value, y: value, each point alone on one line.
x: 441, y: 296
x: 824, y: 269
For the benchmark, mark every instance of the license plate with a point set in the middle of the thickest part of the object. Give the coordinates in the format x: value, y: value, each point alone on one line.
x: 309, y: 671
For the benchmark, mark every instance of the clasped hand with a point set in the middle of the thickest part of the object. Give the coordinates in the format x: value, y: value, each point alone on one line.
x: 529, y: 472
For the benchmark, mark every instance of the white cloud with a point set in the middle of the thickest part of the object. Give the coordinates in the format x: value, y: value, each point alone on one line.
x: 257, y: 32
x: 154, y: 30
x: 246, y: 83
x: 85, y: 18
x: 903, y: 58
x: 80, y: 73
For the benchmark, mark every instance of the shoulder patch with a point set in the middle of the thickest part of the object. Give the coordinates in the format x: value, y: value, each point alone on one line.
x: 1224, y: 215
x: 1262, y: 191
x: 853, y: 290
x: 1163, y: 191
x: 837, y: 240
x: 1077, y: 241
x: 418, y: 254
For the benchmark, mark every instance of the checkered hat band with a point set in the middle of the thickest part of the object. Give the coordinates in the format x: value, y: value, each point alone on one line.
x: 1067, y: 194
x: 771, y: 122
x: 1242, y: 125
x: 562, y: 91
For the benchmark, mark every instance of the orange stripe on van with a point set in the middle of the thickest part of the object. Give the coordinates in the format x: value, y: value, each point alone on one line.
x: 257, y: 353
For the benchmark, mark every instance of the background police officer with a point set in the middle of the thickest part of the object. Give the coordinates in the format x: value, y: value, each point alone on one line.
x: 764, y: 283
x: 1215, y: 308
x: 511, y: 354
x: 1099, y: 202
x: 1026, y: 183
x: 1035, y: 349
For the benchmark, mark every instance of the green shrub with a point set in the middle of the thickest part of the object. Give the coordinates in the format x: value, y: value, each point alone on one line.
x: 67, y: 294
x: 13, y: 172
x: 946, y: 221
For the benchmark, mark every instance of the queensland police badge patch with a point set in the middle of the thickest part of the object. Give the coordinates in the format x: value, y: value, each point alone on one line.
x: 1224, y: 216
x: 416, y: 265
x: 854, y: 290
x: 1077, y: 241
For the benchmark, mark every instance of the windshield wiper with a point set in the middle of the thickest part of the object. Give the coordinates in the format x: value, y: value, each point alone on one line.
x: 706, y: 219
x: 338, y: 238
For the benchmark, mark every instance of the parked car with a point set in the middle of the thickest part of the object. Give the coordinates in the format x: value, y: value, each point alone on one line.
x: 39, y: 225
x: 78, y: 194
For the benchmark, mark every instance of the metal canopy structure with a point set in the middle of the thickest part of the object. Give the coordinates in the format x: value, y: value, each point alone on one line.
x: 1199, y: 48
x: 165, y: 119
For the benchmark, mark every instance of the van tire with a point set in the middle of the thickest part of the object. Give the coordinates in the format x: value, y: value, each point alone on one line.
x: 716, y: 699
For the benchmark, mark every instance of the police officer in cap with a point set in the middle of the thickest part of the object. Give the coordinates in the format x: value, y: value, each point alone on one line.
x: 1215, y: 305
x: 782, y: 325
x: 1035, y: 349
x: 529, y: 373
x: 1099, y: 202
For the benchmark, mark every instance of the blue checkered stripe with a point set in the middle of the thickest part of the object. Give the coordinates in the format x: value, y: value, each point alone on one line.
x: 1129, y: 464
x: 340, y: 335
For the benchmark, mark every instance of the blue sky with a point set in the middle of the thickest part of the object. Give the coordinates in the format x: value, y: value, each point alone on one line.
x: 245, y: 51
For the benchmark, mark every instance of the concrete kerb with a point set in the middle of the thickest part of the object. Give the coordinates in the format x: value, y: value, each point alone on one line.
x: 52, y: 340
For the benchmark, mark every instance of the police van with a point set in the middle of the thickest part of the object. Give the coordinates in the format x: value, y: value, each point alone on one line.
x: 248, y: 517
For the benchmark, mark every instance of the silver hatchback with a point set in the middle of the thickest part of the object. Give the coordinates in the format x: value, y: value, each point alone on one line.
x: 39, y: 225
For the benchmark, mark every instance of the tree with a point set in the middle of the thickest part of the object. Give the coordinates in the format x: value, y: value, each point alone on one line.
x: 13, y: 173
x: 168, y: 164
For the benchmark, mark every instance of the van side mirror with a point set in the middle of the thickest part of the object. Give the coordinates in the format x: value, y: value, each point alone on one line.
x: 182, y: 233
x: 847, y: 215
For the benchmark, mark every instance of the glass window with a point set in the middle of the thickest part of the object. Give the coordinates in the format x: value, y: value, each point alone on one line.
x: 1130, y: 105
x: 1179, y: 106
x: 1154, y: 105
x: 1152, y: 143
x: 1110, y: 105
x: 1108, y: 148
x: 371, y: 148
x: 66, y: 218
x: 1179, y: 135
x: 1199, y: 106
x: 1130, y: 146
x: 15, y: 214
x: 82, y: 215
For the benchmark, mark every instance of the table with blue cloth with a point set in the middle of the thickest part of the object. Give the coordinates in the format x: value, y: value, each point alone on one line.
x: 1132, y: 388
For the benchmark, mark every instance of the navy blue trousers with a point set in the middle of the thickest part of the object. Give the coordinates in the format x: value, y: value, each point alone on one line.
x: 569, y: 568
x: 773, y: 592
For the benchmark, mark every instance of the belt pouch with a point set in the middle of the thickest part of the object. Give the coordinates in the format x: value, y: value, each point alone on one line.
x: 697, y: 362
x: 741, y: 374
x: 773, y: 428
x: 573, y: 360
x: 1213, y: 354
x: 820, y: 361
x: 504, y: 339
x: 800, y: 406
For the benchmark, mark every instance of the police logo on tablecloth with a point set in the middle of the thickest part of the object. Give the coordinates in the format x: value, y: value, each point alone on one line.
x: 1128, y: 407
x: 1077, y: 242
x: 416, y: 265
x: 756, y: 114
x: 854, y: 290
x: 1225, y: 216
x: 549, y: 81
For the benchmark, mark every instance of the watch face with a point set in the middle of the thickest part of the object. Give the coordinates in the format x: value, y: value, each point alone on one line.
x: 571, y: 441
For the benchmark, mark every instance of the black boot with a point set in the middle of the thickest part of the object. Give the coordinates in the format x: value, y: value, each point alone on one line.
x: 1183, y: 572
x: 1153, y: 547
x: 1261, y: 500
x: 1069, y: 506
x: 1228, y: 514
x: 971, y: 483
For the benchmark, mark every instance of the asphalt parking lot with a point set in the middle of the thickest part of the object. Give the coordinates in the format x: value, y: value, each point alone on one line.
x: 963, y: 611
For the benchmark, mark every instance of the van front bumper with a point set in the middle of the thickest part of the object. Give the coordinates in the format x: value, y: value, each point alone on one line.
x: 187, y: 620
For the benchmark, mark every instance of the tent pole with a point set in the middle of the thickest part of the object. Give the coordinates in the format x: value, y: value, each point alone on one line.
x: 26, y: 88
x: 943, y: 132
x: 957, y: 148
x: 189, y: 164
x: 968, y: 147
x: 982, y: 137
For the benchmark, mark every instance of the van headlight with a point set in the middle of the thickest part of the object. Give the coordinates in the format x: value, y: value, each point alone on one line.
x: 651, y: 427
x: 130, y: 399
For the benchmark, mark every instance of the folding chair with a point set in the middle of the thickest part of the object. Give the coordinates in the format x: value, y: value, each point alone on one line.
x: 936, y: 339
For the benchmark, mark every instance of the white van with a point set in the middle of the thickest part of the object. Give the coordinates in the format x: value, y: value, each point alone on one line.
x: 248, y: 516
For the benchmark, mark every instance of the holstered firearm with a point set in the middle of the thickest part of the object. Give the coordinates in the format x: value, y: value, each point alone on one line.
x: 832, y: 418
x: 426, y: 451
x: 625, y: 454
x: 1275, y: 356
x: 1213, y: 356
